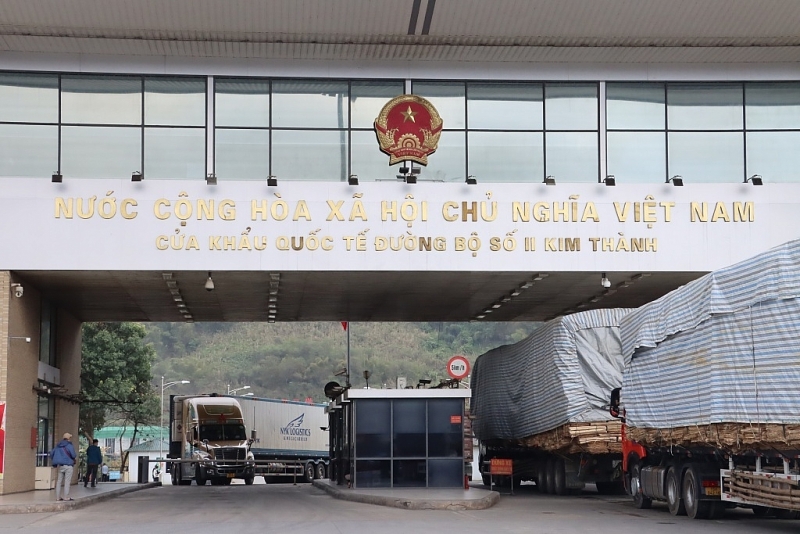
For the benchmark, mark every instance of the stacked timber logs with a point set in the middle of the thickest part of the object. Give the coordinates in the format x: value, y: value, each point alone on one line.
x: 765, y: 488
x: 590, y: 437
x: 735, y: 437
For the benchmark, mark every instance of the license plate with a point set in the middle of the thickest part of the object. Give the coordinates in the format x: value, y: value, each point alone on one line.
x: 713, y: 491
x: 230, y: 475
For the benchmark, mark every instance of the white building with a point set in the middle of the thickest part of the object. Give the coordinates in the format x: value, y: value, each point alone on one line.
x: 137, y: 138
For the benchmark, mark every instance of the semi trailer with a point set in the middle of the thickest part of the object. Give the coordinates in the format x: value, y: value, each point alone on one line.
x: 710, y: 397
x: 209, y: 439
x: 291, y: 440
x: 542, y: 403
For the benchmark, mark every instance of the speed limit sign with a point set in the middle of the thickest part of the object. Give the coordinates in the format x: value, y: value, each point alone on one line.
x: 458, y: 367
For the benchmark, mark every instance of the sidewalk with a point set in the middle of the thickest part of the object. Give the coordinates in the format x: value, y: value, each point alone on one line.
x: 414, y: 498
x: 45, y: 501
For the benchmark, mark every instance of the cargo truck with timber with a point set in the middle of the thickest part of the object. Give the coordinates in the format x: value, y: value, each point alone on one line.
x: 208, y: 436
x: 710, y: 394
x: 543, y: 403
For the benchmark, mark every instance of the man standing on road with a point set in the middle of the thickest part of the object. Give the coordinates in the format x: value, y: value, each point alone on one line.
x: 63, y: 456
x: 94, y: 457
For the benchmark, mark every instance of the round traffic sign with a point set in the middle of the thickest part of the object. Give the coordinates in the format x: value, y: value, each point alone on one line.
x: 458, y: 367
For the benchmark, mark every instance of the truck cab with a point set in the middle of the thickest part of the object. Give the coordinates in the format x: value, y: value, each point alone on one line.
x: 208, y: 435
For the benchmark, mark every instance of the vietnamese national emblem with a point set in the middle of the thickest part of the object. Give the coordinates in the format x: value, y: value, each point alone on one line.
x: 408, y: 128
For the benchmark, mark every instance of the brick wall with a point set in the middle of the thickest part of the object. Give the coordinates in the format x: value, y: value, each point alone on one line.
x: 19, y: 361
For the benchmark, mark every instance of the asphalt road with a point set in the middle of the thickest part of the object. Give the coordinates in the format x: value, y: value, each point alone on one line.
x: 304, y: 509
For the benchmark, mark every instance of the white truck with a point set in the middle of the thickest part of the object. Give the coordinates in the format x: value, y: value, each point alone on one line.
x: 208, y: 436
x: 292, y: 438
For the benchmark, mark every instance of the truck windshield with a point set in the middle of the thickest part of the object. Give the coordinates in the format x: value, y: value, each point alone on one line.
x: 222, y: 432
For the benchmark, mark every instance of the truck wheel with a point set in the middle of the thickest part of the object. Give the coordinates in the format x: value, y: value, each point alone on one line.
x: 559, y: 477
x: 541, y: 477
x: 200, y: 476
x: 549, y: 476
x: 249, y: 480
x: 695, y: 508
x: 640, y: 501
x: 321, y: 471
x: 308, y: 472
x: 673, y: 491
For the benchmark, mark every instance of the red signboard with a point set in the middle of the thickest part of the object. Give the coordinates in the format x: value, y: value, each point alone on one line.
x: 455, y: 419
x: 501, y: 466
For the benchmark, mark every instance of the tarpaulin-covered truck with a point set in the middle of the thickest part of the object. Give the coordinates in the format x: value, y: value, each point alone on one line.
x: 542, y: 402
x: 711, y: 391
x: 207, y: 434
x: 292, y: 438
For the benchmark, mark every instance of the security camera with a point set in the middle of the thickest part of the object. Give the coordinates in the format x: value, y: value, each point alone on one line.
x: 18, y: 290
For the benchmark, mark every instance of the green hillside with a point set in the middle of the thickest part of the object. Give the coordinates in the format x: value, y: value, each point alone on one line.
x: 296, y: 360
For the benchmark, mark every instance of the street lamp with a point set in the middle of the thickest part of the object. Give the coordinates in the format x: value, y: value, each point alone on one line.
x: 161, y: 425
x: 234, y: 390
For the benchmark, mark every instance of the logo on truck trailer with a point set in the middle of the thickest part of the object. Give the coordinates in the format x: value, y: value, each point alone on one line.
x: 293, y: 431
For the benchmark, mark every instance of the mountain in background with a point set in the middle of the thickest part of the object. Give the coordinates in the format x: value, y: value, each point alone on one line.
x: 296, y: 360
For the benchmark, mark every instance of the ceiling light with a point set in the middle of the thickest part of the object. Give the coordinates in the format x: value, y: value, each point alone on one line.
x: 273, y: 299
x: 540, y: 276
x: 273, y: 291
x: 506, y: 299
x: 172, y: 284
x: 275, y: 276
x: 166, y: 276
x: 480, y: 316
x: 497, y: 305
x: 604, y: 281
x: 516, y: 293
x: 209, y: 283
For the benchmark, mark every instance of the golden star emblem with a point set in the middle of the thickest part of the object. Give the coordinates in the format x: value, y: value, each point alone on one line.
x: 409, y: 115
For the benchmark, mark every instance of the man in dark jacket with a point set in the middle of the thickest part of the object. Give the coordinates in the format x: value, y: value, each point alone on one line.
x: 94, y: 457
x: 63, y: 456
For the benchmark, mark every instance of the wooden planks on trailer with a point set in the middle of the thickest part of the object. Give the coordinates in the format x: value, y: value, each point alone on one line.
x: 591, y: 437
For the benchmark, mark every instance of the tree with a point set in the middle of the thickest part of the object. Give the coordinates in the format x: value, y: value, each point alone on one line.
x: 115, y: 377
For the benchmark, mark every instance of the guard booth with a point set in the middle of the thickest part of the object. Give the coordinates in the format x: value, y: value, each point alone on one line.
x: 398, y: 438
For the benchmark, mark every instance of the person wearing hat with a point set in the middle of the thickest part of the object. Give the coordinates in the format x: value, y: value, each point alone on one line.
x: 63, y: 456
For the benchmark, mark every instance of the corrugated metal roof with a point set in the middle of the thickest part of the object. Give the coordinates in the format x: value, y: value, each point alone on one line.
x: 458, y: 30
